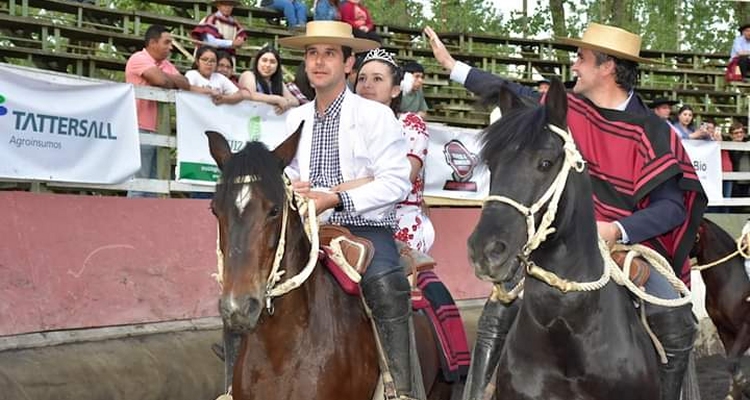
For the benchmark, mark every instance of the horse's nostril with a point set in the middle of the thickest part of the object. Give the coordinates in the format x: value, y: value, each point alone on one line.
x: 251, y: 306
x: 494, y: 251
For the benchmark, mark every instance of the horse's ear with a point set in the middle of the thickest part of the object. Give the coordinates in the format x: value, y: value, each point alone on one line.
x: 288, y: 149
x: 557, y: 104
x: 219, y: 148
x: 503, y: 97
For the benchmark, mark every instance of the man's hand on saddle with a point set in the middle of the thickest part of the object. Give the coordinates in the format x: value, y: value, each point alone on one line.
x: 324, y: 200
x: 439, y: 51
x: 609, y: 232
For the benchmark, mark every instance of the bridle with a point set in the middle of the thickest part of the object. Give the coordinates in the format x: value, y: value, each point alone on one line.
x: 538, y: 234
x: 275, y: 288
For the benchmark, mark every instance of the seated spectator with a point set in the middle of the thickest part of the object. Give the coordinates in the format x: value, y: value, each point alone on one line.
x: 740, y: 160
x: 225, y: 66
x: 150, y: 67
x: 326, y: 10
x: 685, y: 127
x: 265, y: 83
x: 354, y: 13
x: 220, y: 29
x: 295, y: 11
x: 203, y: 78
x: 412, y: 99
x: 542, y: 85
x: 738, y: 59
x: 662, y: 107
x: 300, y: 87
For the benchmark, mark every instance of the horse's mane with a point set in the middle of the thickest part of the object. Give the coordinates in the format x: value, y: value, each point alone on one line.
x: 257, y: 161
x: 520, y: 127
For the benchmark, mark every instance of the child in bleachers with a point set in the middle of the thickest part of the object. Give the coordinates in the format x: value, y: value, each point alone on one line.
x: 354, y: 13
x: 220, y: 29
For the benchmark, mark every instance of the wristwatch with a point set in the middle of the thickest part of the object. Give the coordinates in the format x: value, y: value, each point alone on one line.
x: 339, y: 207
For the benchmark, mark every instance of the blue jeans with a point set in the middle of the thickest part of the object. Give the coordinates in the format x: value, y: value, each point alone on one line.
x: 386, y: 257
x: 325, y: 11
x: 294, y: 11
x: 147, y: 171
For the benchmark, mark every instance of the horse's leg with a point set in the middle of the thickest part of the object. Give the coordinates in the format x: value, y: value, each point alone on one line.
x: 492, y: 329
x: 734, y: 355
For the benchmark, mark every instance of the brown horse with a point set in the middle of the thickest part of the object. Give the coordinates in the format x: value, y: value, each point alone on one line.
x: 315, y: 342
x: 727, y: 288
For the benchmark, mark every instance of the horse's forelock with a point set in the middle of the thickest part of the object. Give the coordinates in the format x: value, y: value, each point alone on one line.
x: 518, y: 129
x: 255, y: 161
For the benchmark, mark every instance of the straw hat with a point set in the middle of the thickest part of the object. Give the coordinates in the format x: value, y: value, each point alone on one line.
x: 329, y: 32
x: 609, y: 40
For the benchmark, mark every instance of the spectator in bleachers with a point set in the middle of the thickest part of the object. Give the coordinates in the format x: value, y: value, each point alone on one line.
x: 220, y: 29
x: 354, y: 13
x: 662, y: 107
x: 295, y: 11
x: 412, y: 99
x: 685, y: 126
x: 225, y: 66
x: 739, y: 55
x: 150, y: 67
x: 542, y: 85
x: 726, y: 166
x: 300, y: 87
x: 379, y: 79
x: 351, y: 79
x: 265, y: 82
x: 204, y: 79
x: 740, y: 159
x: 326, y: 10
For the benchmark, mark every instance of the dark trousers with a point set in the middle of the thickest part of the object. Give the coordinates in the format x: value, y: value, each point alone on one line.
x: 744, y: 63
x: 386, y: 257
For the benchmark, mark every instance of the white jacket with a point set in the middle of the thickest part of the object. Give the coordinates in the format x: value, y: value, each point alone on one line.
x: 371, y: 144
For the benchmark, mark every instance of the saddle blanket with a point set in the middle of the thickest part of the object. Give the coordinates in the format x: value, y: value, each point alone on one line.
x: 435, y: 301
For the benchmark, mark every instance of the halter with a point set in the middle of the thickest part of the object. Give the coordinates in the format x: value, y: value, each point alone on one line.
x: 273, y: 287
x: 536, y: 235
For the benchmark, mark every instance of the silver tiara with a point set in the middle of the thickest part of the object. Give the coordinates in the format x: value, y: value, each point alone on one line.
x: 380, y: 54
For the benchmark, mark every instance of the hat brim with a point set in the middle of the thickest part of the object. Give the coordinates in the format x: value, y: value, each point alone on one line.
x: 606, y: 50
x: 357, y: 45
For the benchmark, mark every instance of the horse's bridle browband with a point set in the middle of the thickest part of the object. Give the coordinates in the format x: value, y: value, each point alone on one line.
x: 294, y: 200
x: 536, y: 235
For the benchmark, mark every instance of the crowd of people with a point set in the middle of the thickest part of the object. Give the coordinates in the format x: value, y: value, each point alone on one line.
x: 375, y: 180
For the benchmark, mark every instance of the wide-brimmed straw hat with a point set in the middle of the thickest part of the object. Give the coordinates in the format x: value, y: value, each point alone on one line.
x: 659, y: 101
x: 610, y: 40
x: 329, y: 32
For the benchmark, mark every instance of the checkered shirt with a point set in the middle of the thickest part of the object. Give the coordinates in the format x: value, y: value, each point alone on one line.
x: 325, y: 170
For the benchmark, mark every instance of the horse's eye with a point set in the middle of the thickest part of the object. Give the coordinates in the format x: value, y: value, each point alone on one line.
x: 274, y: 211
x: 545, y: 165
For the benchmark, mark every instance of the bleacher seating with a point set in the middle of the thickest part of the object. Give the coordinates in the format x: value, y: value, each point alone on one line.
x: 91, y: 40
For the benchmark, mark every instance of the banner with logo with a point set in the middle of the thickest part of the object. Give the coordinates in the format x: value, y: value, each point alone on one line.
x: 452, y: 167
x: 239, y: 123
x: 57, y: 128
x: 706, y: 158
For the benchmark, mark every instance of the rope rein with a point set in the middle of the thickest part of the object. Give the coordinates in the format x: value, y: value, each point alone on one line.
x: 536, y: 235
x: 743, y: 247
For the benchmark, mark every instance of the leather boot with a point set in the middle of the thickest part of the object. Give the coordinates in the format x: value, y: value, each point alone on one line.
x: 675, y: 328
x: 492, y: 329
x: 388, y: 297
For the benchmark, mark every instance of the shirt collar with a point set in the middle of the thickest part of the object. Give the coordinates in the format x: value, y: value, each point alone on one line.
x: 624, y: 104
x: 334, y: 107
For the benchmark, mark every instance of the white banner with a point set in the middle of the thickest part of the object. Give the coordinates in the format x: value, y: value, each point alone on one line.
x: 239, y: 123
x: 56, y: 128
x: 706, y: 158
x: 452, y: 167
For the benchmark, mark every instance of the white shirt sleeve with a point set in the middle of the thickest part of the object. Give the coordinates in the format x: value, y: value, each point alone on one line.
x: 193, y: 77
x: 460, y: 72
x: 623, y: 235
x: 226, y: 86
x: 213, y: 41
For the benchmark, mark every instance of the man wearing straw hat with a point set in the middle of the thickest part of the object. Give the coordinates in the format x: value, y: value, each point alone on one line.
x: 347, y: 138
x: 659, y: 203
x: 220, y: 29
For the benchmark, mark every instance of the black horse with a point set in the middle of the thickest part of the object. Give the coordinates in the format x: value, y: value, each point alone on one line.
x: 575, y: 345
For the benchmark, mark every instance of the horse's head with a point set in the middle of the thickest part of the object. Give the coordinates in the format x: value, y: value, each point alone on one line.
x: 525, y: 153
x: 249, y: 204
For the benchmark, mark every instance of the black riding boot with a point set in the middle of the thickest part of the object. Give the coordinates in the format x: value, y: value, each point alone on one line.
x: 492, y: 329
x: 675, y: 328
x: 388, y: 298
x: 228, y: 353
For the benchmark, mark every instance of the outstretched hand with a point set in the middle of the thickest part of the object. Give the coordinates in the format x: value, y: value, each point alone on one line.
x: 439, y: 51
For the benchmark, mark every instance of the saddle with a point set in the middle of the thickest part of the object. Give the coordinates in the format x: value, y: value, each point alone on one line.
x: 640, y: 270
